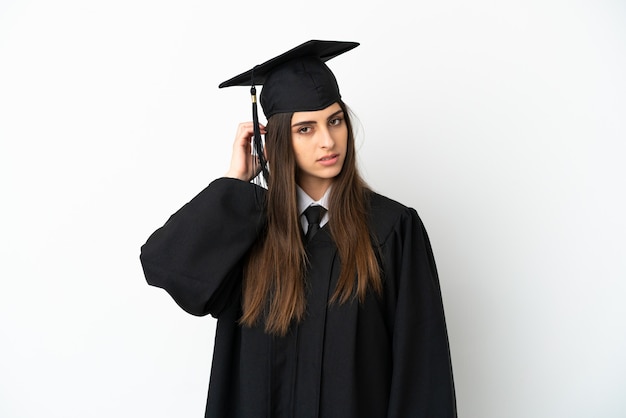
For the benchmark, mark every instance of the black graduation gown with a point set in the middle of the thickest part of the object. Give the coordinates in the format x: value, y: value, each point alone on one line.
x: 386, y: 357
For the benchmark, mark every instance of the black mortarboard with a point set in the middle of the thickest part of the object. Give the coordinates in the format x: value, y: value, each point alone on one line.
x: 295, y: 81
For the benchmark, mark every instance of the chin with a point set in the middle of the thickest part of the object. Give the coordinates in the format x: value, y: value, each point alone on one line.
x: 331, y: 175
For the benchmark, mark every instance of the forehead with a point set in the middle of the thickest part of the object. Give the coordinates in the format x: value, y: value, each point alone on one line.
x: 316, y: 114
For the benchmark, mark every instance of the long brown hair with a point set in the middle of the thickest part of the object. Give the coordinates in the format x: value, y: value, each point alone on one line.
x: 274, y: 276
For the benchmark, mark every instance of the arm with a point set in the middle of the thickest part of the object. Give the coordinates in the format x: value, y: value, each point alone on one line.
x: 198, y: 255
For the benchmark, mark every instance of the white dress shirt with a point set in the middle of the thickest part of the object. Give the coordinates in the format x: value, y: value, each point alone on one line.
x: 304, y: 201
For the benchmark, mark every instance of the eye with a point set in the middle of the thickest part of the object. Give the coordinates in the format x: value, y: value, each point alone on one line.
x: 335, y: 121
x: 304, y: 130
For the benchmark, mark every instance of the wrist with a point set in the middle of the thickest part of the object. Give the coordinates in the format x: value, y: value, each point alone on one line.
x: 236, y: 175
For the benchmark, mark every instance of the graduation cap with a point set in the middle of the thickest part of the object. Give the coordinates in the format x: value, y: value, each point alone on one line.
x: 295, y: 81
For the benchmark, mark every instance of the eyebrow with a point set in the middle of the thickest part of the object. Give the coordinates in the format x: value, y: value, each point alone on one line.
x: 312, y: 122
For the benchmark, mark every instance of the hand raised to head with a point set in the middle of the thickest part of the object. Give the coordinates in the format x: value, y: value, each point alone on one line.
x: 243, y: 164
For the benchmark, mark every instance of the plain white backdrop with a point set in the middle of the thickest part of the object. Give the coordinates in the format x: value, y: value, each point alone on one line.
x: 502, y: 123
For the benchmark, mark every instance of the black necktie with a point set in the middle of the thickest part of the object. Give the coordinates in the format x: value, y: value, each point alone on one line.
x: 314, y: 215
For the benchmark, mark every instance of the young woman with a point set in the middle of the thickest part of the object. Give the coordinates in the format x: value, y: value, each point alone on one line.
x: 337, y: 315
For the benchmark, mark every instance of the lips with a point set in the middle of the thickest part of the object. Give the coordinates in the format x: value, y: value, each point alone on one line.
x: 329, y: 160
x: 329, y: 157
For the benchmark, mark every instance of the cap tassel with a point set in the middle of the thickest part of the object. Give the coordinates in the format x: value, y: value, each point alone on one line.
x: 258, y: 143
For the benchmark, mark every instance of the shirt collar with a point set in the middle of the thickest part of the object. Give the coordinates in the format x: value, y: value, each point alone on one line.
x: 304, y: 201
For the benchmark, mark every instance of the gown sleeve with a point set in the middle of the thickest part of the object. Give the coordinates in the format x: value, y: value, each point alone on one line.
x: 198, y: 255
x: 421, y: 382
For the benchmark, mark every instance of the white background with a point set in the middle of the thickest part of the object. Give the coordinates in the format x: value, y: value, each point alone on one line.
x: 502, y: 122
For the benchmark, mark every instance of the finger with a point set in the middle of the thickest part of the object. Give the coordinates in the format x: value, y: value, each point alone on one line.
x: 245, y: 130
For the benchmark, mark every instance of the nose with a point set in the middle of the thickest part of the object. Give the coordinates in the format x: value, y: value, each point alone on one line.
x: 326, y: 138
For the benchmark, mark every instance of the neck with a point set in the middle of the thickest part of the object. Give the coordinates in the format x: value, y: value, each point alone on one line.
x: 315, y: 189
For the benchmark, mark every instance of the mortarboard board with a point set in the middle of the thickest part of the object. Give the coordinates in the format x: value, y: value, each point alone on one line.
x: 295, y: 81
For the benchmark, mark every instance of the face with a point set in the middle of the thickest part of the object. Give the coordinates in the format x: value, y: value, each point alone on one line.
x: 319, y: 141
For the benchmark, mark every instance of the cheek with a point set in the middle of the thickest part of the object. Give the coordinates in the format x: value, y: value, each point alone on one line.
x: 341, y: 139
x: 301, y: 149
x: 294, y: 148
x: 298, y: 155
